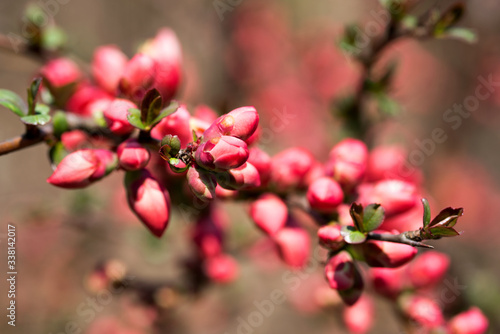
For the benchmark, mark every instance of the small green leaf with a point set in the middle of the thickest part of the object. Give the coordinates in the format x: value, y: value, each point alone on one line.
x: 373, y: 217
x: 410, y: 22
x: 441, y: 231
x: 12, y: 101
x: 57, y: 153
x: 463, y: 34
x: 447, y: 217
x: 351, y: 235
x: 165, y: 112
x: 40, y: 117
x: 148, y: 105
x: 134, y: 118
x: 33, y: 91
x: 154, y: 110
x: 170, y: 146
x: 60, y: 123
x: 195, y: 136
x: 387, y: 105
x: 356, y: 212
x: 36, y: 119
x: 53, y: 38
x: 427, y: 212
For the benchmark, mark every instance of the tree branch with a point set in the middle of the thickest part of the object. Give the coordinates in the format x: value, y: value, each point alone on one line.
x: 23, y: 141
x: 411, y: 238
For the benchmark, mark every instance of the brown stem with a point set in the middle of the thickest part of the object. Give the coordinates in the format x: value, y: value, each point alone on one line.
x: 411, y: 238
x: 23, y: 141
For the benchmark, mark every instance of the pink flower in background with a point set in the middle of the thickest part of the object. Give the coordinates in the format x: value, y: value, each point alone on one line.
x: 116, y: 116
x: 293, y: 245
x: 325, y: 194
x: 60, y: 72
x: 108, y: 64
x: 472, y: 321
x: 269, y: 213
x: 359, y: 317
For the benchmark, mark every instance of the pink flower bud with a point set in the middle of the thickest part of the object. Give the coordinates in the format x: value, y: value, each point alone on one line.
x: 289, y: 168
x: 222, y: 153
x: 74, y: 139
x: 347, y: 162
x: 244, y: 177
x: 387, y: 254
x: 293, y: 246
x: 389, y: 282
x: 225, y: 193
x: 176, y: 124
x: 262, y: 161
x: 428, y: 269
x: 165, y: 49
x: 108, y: 65
x: 330, y: 238
x: 207, y: 234
x: 246, y: 120
x: 82, y: 101
x: 359, y: 317
x: 394, y: 195
x: 60, y: 72
x: 201, y: 183
x: 325, y: 195
x: 472, y: 321
x: 205, y: 113
x: 240, y: 123
x: 149, y: 200
x: 138, y: 77
x: 351, y: 296
x: 269, y: 213
x: 340, y: 271
x: 81, y: 168
x: 424, y: 311
x: 389, y: 162
x: 132, y: 155
x: 116, y: 116
x: 221, y: 268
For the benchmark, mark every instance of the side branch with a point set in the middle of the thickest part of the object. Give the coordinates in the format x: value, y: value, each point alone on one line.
x: 23, y: 141
x: 411, y: 238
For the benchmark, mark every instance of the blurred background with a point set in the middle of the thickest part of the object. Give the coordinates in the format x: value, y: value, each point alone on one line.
x: 280, y: 56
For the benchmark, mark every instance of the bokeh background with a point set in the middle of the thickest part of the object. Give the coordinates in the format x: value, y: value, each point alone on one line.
x: 282, y: 57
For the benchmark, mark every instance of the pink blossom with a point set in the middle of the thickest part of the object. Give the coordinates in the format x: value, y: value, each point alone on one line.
x: 269, y: 213
x: 149, y: 200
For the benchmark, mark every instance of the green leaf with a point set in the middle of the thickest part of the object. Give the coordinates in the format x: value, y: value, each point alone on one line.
x: 57, y: 153
x: 195, y: 136
x: 351, y: 235
x: 450, y: 17
x: 53, y: 38
x: 427, y: 212
x: 32, y: 93
x: 148, y: 104
x: 165, y: 112
x: 36, y: 119
x: 174, y: 162
x: 60, y: 123
x: 356, y: 212
x: 387, y: 105
x: 410, y: 22
x: 154, y: 110
x: 441, y: 231
x: 40, y: 117
x: 134, y: 118
x: 373, y: 217
x: 12, y: 101
x: 170, y: 146
x: 460, y: 33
